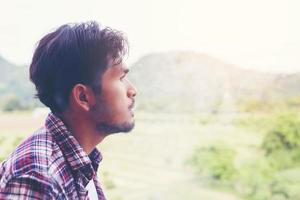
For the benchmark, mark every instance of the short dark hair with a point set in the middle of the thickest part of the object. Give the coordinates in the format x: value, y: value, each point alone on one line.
x: 72, y: 54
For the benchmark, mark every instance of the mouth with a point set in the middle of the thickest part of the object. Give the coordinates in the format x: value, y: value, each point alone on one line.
x: 132, y: 107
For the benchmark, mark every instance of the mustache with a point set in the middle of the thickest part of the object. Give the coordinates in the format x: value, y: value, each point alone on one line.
x: 132, y: 105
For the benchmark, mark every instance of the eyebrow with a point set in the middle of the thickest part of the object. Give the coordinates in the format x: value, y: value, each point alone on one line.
x: 122, y: 71
x: 125, y: 70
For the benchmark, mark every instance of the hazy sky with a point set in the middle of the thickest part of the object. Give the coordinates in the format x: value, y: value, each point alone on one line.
x: 260, y: 34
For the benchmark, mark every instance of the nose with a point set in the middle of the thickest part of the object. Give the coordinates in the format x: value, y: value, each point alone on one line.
x: 132, y: 91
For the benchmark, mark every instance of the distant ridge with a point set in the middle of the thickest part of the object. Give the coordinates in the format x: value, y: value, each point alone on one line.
x: 15, y: 85
x: 177, y: 81
x: 190, y: 81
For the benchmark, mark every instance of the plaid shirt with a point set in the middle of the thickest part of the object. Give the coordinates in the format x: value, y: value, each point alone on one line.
x: 49, y: 165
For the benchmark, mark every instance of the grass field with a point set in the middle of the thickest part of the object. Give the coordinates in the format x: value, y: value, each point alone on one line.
x: 150, y: 162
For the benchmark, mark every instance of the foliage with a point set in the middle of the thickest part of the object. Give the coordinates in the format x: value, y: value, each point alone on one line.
x: 286, y: 184
x: 285, y: 134
x: 12, y: 103
x: 253, y: 122
x: 16, y: 91
x: 250, y: 105
x: 261, y: 182
x: 293, y: 102
x: 282, y: 142
x: 279, y: 178
x: 274, y: 174
x: 253, y: 180
x: 216, y: 162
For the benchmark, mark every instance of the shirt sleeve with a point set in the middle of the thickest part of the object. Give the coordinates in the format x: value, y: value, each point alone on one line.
x: 27, y: 186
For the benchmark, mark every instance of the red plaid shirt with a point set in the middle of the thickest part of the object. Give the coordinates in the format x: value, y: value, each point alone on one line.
x: 49, y: 165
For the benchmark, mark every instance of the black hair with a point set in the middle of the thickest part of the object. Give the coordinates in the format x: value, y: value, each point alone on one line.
x: 72, y: 54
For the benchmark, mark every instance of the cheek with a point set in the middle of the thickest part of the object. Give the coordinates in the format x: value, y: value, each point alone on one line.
x: 115, y: 97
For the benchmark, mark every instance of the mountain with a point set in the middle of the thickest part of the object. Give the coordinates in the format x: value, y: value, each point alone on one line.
x: 8, y: 70
x: 15, y: 85
x: 177, y: 81
x: 189, y: 81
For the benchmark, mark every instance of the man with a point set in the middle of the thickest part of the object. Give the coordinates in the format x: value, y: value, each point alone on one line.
x: 79, y: 74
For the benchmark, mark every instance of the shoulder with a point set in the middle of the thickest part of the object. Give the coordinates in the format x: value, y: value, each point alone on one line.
x: 31, y: 185
x: 27, y: 172
x: 33, y: 154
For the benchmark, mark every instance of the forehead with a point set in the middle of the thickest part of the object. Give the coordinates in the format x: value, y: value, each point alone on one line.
x: 116, y: 69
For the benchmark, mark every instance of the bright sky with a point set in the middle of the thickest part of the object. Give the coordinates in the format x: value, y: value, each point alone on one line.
x: 259, y: 34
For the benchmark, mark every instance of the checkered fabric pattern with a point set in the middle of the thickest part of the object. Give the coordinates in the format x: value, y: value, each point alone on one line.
x: 49, y: 165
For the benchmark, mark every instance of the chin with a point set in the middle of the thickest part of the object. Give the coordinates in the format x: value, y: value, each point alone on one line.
x: 127, y: 126
x: 110, y: 128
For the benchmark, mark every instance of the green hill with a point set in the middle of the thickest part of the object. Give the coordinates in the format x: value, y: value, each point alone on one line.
x: 16, y: 91
x: 178, y: 81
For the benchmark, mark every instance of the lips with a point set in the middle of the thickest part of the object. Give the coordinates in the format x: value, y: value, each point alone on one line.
x: 131, y: 107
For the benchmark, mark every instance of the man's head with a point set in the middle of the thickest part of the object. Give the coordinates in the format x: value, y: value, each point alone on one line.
x: 79, y: 67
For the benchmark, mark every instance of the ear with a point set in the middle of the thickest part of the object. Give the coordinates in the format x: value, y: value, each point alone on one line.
x: 82, y: 97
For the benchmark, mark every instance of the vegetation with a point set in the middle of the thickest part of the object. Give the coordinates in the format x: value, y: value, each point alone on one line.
x: 16, y: 91
x: 274, y: 174
x: 215, y: 161
x: 246, y: 123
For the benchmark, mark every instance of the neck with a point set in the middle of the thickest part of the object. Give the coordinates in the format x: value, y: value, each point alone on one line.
x: 83, y: 130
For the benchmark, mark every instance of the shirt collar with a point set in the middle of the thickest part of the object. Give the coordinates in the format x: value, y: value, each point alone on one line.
x: 70, y: 147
